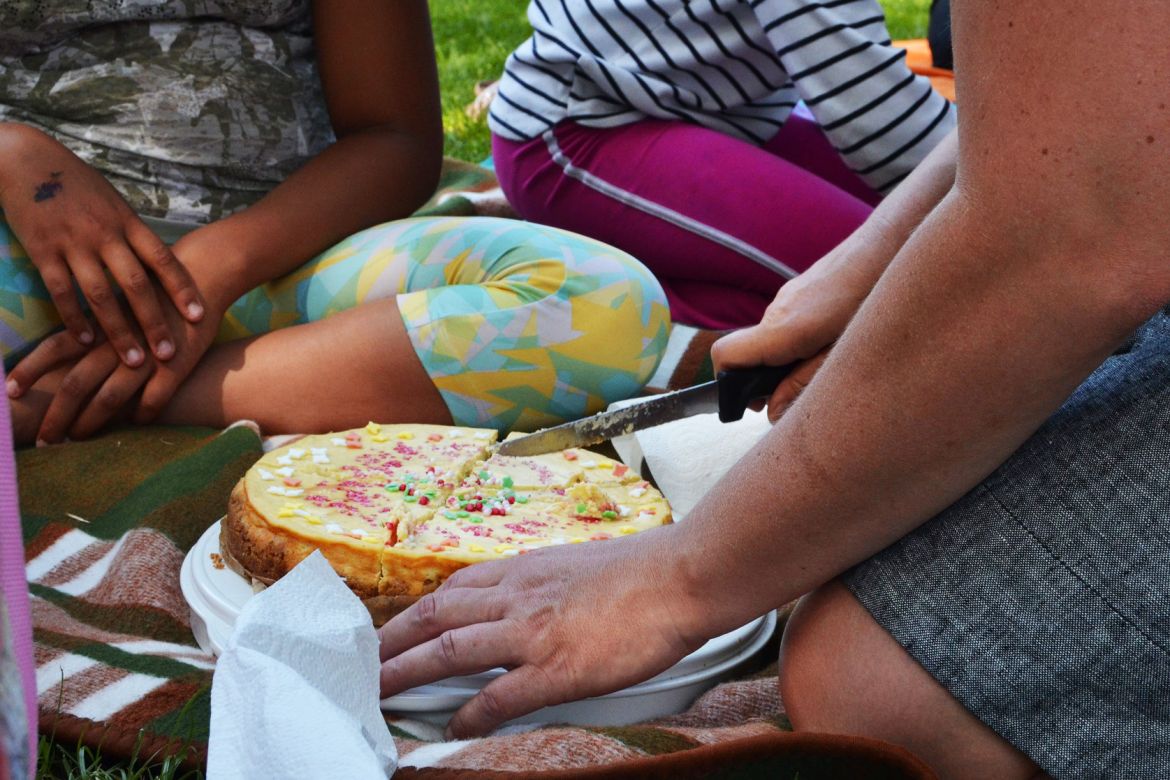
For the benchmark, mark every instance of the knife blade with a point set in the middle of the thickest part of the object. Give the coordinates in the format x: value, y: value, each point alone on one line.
x: 729, y: 395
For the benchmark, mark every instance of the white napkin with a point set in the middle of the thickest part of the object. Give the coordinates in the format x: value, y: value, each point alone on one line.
x: 295, y: 693
x: 687, y: 457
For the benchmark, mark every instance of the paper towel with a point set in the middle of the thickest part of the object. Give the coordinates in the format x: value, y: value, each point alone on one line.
x: 688, y: 456
x: 295, y: 693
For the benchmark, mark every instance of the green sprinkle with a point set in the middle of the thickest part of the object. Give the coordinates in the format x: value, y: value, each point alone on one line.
x: 581, y: 509
x: 410, y: 499
x: 432, y: 494
x: 450, y: 515
x: 508, y: 482
x: 484, y: 475
x: 522, y: 499
x: 477, y: 520
x: 462, y: 514
x: 609, y: 515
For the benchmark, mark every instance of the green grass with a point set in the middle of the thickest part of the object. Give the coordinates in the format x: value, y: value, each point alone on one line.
x: 472, y: 40
x: 474, y: 37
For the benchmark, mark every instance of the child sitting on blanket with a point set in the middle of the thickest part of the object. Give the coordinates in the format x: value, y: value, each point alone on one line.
x: 668, y: 129
x: 164, y: 160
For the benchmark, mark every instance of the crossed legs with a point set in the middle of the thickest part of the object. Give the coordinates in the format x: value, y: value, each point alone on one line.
x: 840, y: 672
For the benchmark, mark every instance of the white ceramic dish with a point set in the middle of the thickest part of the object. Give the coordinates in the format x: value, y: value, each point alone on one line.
x: 216, y: 596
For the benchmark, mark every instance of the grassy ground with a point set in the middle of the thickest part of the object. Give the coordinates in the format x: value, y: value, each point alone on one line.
x: 472, y: 40
x: 474, y: 37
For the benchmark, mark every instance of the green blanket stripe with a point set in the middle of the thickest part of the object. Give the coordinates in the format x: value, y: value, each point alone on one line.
x: 202, y: 477
x: 136, y: 620
x: 191, y: 722
x: 153, y: 665
x: 649, y: 739
x: 91, y: 479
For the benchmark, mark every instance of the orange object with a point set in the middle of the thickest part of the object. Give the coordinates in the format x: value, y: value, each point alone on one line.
x: 920, y: 61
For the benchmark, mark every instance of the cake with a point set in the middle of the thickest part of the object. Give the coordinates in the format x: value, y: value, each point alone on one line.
x: 396, y: 509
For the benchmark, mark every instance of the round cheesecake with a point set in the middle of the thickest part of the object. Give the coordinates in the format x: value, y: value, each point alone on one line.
x: 396, y: 509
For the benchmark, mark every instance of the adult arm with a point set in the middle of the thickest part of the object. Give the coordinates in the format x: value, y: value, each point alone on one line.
x: 1046, y: 253
x: 809, y: 313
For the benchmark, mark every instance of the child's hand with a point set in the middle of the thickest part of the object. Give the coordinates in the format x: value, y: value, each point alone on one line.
x: 77, y: 228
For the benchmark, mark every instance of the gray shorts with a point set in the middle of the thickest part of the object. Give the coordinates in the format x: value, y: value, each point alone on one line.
x: 1040, y: 599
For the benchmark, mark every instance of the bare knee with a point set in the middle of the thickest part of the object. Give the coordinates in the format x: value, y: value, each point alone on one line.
x: 840, y: 672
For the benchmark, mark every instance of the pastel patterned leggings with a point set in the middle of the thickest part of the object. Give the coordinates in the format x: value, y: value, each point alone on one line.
x: 518, y: 325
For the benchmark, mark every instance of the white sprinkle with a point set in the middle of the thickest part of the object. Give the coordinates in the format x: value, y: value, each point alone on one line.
x: 265, y: 474
x: 589, y: 464
x: 318, y: 450
x: 321, y: 459
x: 286, y: 471
x: 510, y: 552
x: 284, y: 460
x: 334, y: 528
x: 456, y: 433
x: 483, y: 435
x: 637, y: 492
x: 357, y: 533
x: 624, y: 510
x: 296, y: 453
x: 645, y: 516
x: 336, y: 442
x: 277, y: 490
x: 558, y: 540
x: 293, y: 492
x: 302, y: 512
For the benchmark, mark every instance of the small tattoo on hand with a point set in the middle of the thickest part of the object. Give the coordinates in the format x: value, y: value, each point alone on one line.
x: 48, y: 189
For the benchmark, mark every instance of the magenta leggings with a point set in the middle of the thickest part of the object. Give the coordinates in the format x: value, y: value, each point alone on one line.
x: 721, y: 223
x: 13, y: 585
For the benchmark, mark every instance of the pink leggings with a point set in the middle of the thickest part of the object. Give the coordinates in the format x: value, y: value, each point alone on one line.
x: 13, y: 585
x: 720, y: 222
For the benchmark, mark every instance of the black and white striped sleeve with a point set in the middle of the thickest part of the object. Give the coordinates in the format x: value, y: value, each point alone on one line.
x: 882, y: 118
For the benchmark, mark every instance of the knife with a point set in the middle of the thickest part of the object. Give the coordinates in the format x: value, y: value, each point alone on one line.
x: 729, y: 395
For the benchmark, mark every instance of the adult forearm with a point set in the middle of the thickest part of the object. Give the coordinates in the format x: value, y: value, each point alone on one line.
x: 368, y: 177
x: 959, y: 354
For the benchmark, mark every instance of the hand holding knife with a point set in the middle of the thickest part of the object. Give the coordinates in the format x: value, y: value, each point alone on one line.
x: 729, y: 395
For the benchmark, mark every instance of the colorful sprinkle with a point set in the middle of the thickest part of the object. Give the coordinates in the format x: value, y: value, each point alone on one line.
x: 570, y: 455
x: 581, y: 509
x: 609, y: 514
x: 373, y: 428
x: 625, y: 529
x: 475, y: 548
x: 265, y: 474
x: 405, y: 435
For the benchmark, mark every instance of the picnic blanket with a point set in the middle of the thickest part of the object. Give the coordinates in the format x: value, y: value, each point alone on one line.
x: 107, y: 523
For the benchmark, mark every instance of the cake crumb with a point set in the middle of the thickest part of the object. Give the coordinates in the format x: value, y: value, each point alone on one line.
x: 217, y: 560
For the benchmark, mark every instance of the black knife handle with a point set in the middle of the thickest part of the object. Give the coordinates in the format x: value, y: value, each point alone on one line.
x: 738, y: 387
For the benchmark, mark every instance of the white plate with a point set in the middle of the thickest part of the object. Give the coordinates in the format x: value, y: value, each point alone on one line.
x: 216, y: 596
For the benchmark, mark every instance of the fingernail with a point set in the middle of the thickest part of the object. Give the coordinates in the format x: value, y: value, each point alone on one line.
x: 42, y: 443
x: 164, y: 350
x: 194, y: 311
x: 13, y: 388
x: 85, y: 337
x: 448, y: 735
x: 134, y: 357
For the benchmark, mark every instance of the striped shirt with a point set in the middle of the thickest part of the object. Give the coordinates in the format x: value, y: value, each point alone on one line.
x: 732, y: 66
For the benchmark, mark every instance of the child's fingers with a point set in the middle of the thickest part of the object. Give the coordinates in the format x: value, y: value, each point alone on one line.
x: 52, y: 352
